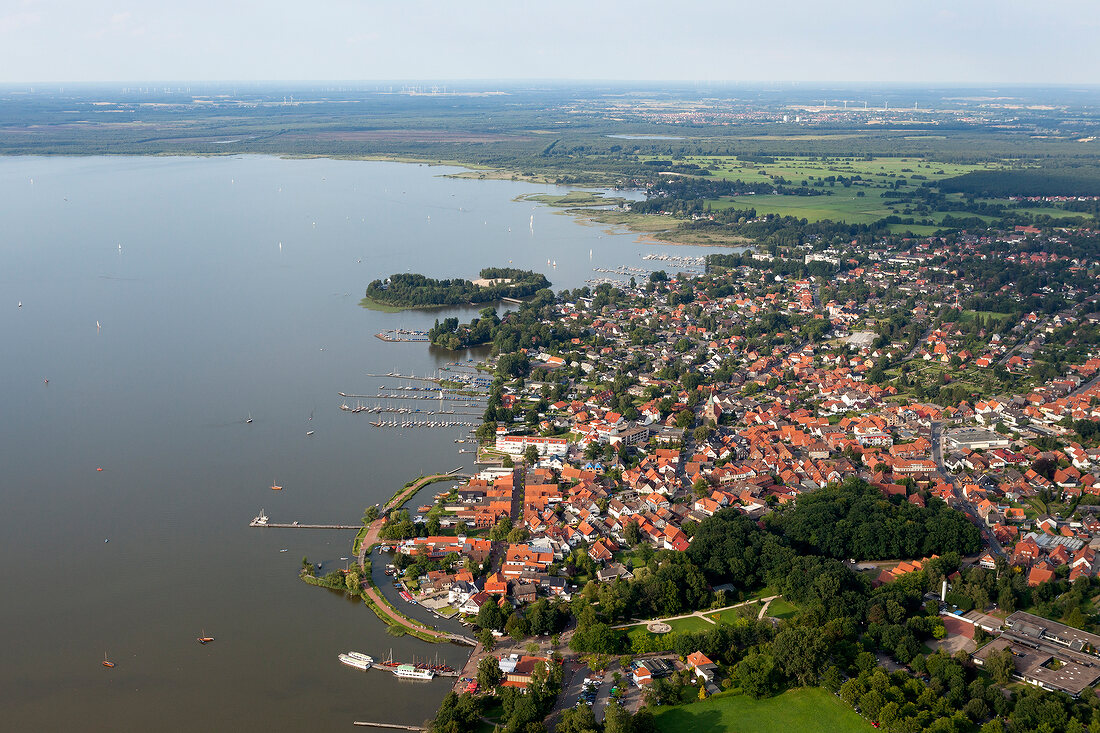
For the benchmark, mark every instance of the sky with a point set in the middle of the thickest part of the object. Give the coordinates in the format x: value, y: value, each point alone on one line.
x: 955, y: 41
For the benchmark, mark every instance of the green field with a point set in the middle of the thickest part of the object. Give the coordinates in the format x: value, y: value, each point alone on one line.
x: 680, y: 624
x: 781, y: 609
x: 863, y: 201
x: 843, y: 205
x: 804, y: 709
x: 732, y: 615
x: 690, y: 624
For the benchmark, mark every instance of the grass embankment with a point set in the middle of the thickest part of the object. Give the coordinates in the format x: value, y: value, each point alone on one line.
x: 802, y: 709
x: 659, y: 229
x: 573, y: 198
x: 374, y: 305
x: 410, y: 629
x: 412, y: 487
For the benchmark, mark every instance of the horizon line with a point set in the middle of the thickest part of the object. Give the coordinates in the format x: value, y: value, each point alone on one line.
x: 560, y: 81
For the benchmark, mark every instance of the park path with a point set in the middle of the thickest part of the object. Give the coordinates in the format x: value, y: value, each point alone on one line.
x: 699, y: 614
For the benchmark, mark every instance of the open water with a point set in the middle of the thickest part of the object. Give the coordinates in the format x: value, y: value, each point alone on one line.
x: 203, y: 321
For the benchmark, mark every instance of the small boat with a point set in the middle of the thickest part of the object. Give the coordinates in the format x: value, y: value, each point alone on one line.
x: 204, y: 639
x: 309, y: 432
x: 107, y: 662
x: 249, y: 420
x: 20, y: 304
x: 283, y: 550
x: 276, y: 487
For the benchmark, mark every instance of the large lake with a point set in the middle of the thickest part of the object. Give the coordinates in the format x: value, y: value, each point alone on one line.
x: 203, y: 320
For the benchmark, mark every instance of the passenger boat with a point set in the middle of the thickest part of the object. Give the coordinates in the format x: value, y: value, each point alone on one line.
x: 107, y: 662
x: 204, y: 639
x: 356, y: 660
x: 276, y: 487
x: 408, y: 671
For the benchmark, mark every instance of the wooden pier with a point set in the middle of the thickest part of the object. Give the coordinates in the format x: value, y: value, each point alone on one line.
x: 393, y: 726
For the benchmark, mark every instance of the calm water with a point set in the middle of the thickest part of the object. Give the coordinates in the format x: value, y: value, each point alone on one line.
x: 203, y: 320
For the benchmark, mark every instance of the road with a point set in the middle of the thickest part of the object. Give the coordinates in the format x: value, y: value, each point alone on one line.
x: 988, y: 538
x: 572, y: 684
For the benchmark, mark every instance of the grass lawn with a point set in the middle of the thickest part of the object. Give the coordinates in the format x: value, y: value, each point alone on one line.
x: 766, y: 592
x: 780, y: 608
x: 689, y: 624
x: 731, y: 615
x: 684, y: 624
x: 803, y: 709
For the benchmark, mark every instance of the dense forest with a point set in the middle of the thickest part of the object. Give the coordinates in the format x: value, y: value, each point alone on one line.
x: 1082, y: 180
x: 412, y: 290
x: 854, y: 520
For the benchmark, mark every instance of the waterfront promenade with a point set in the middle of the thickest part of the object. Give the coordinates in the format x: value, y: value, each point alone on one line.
x: 370, y: 541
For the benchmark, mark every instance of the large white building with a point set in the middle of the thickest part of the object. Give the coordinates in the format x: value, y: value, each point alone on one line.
x: 517, y: 444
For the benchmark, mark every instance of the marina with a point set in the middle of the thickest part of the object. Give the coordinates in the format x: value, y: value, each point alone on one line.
x: 400, y: 335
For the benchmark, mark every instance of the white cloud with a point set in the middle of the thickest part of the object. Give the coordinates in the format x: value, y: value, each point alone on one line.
x: 11, y: 22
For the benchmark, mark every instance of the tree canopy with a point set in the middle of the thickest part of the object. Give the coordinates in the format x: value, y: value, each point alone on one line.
x: 855, y: 520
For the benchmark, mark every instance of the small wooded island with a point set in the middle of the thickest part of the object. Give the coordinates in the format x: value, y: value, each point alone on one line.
x: 412, y: 290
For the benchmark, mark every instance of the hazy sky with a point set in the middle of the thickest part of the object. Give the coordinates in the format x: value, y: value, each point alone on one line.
x: 847, y: 40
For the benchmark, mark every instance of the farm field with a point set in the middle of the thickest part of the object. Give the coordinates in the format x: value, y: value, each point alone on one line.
x: 850, y: 189
x: 844, y: 206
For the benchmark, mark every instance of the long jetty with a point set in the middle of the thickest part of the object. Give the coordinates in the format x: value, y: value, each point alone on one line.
x: 297, y: 525
x: 394, y: 726
x: 395, y: 375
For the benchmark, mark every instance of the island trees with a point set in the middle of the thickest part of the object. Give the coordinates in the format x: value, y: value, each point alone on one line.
x: 413, y: 290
